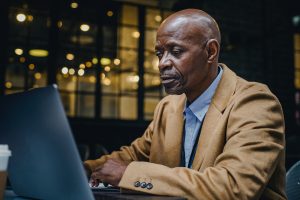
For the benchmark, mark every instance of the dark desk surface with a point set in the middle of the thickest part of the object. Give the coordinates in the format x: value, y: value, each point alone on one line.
x: 104, y: 195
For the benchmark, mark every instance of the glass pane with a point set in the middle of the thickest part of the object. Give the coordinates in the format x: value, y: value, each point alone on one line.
x: 153, y: 18
x: 68, y: 100
x: 128, y: 37
x: 37, y: 79
x: 152, y: 83
x: 85, y: 105
x: 129, y: 82
x: 109, y: 107
x: 149, y: 106
x: 151, y: 62
x: 66, y: 82
x: 110, y: 82
x: 109, y: 37
x: 128, y: 60
x: 297, y: 60
x: 85, y: 83
x: 128, y: 107
x: 150, y: 39
x: 297, y: 41
x: 38, y: 27
x: 15, y: 75
x: 129, y: 15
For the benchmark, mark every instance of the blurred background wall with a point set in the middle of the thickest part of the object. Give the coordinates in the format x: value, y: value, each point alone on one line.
x: 100, y: 53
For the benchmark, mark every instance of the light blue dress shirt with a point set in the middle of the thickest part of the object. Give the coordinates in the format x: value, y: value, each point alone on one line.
x: 194, y: 115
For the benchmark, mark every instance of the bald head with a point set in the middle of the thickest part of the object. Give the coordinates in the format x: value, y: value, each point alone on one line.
x: 187, y: 46
x: 196, y: 19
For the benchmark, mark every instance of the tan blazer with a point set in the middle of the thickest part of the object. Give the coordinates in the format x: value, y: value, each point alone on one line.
x: 240, y: 154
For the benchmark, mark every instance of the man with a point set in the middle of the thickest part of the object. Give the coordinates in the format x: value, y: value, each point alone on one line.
x: 216, y: 136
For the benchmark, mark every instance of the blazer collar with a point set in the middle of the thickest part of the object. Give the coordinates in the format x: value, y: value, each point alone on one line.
x: 224, y: 92
x: 225, y: 89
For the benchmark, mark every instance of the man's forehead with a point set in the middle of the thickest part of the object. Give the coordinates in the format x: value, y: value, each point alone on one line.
x: 181, y: 33
x: 173, y: 25
x: 183, y: 27
x: 169, y: 43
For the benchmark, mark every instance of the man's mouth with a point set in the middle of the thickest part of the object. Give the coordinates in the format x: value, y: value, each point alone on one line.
x: 169, y: 81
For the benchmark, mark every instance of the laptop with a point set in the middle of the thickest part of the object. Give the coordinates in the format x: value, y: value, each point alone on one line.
x: 45, y: 163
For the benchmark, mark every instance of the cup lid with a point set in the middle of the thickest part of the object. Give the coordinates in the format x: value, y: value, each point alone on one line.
x: 4, y: 150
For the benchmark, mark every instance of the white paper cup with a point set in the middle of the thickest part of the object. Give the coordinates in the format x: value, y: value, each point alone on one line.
x: 5, y: 153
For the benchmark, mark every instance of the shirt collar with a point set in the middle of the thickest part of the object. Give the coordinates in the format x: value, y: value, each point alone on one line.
x: 200, y: 106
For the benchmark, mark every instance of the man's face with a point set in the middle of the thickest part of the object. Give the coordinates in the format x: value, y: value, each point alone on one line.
x: 182, y: 57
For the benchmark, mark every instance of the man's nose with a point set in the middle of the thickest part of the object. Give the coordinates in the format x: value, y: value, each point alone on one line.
x: 164, y: 62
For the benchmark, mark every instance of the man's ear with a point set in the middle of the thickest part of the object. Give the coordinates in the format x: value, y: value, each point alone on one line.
x: 213, y: 48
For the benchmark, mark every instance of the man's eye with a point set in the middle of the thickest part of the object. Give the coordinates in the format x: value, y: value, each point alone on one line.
x: 158, y: 54
x: 176, y: 52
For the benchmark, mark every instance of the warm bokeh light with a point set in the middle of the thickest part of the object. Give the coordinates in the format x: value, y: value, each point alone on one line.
x: 158, y: 18
x: 21, y: 17
x: 105, y: 61
x: 30, y: 18
x: 133, y: 79
x: 19, y: 51
x: 64, y: 70
x: 82, y: 66
x: 106, y: 81
x: 110, y: 13
x: 92, y: 79
x: 71, y: 71
x: 84, y: 27
x: 117, y: 61
x: 74, y: 5
x: 22, y: 59
x: 8, y: 84
x: 70, y: 56
x: 107, y: 68
x: 38, y: 52
x: 31, y: 66
x: 135, y: 34
x: 81, y: 72
x: 59, y: 24
x: 95, y: 61
x: 37, y: 76
x: 88, y: 64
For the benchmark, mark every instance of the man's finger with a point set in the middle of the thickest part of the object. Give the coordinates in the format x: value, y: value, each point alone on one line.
x: 94, y: 182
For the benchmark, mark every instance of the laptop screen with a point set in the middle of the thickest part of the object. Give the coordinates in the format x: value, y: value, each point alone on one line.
x: 45, y: 162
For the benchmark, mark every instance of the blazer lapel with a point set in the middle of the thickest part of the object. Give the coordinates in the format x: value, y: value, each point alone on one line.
x: 223, y: 93
x: 210, y: 122
x: 174, y: 133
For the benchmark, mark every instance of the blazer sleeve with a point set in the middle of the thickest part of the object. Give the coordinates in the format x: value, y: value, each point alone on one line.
x: 254, y: 144
x: 139, y: 149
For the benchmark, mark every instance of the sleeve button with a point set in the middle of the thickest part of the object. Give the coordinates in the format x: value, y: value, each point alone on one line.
x: 137, y: 184
x: 149, y: 186
x: 143, y: 185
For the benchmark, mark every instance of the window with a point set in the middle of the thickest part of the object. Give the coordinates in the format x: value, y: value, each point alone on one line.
x: 94, y: 53
x: 27, y: 66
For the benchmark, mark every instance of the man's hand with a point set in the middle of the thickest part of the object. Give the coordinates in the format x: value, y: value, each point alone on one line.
x: 110, y: 172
